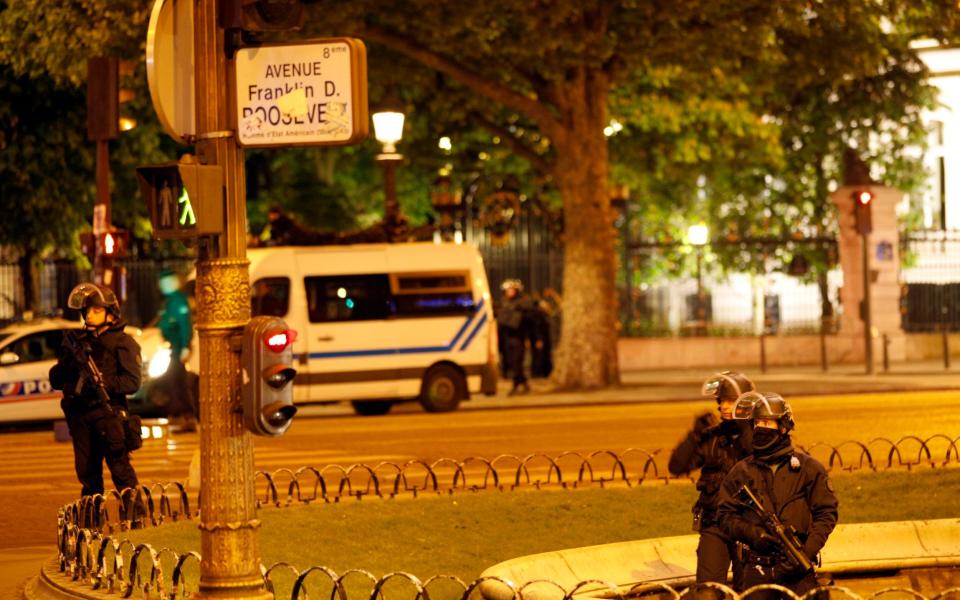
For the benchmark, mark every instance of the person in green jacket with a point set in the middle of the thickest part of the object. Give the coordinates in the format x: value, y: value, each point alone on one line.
x: 177, y: 328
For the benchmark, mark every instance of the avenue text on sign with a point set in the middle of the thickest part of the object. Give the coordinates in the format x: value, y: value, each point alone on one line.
x: 302, y: 94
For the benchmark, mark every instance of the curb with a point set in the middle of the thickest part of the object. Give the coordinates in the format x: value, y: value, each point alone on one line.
x: 852, y: 548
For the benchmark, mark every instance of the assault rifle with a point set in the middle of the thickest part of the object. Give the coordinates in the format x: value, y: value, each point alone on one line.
x: 89, y: 368
x: 787, y: 536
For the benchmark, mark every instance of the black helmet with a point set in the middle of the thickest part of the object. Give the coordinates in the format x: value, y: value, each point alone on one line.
x: 768, y: 405
x: 729, y: 385
x: 86, y: 295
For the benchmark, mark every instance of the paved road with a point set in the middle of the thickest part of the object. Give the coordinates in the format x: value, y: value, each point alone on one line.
x: 36, y: 474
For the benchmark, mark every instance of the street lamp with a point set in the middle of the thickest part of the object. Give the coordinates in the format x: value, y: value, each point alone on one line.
x: 388, y: 129
x: 698, y: 235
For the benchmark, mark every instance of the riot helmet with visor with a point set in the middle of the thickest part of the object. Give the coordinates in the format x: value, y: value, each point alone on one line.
x: 768, y: 405
x: 727, y: 385
x: 87, y: 295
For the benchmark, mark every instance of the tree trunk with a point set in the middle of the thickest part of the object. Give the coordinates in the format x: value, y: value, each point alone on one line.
x: 587, y: 353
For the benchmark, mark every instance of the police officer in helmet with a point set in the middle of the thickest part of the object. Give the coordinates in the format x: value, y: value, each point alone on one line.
x: 514, y: 322
x: 97, y: 428
x: 789, y: 484
x: 714, y: 446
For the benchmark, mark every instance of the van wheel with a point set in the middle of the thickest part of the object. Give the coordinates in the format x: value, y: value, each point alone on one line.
x: 372, y: 408
x: 443, y: 389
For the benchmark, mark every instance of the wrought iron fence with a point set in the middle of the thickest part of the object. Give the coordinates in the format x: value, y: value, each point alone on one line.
x: 154, y: 505
x: 672, y: 288
x: 141, y: 299
x: 125, y: 568
x: 90, y: 554
x: 930, y: 298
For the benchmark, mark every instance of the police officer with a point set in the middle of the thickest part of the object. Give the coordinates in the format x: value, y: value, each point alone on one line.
x: 175, y: 324
x: 513, y: 320
x: 789, y: 484
x: 714, y: 446
x: 98, y: 428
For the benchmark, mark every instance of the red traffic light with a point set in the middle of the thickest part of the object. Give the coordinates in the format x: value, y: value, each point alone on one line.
x: 277, y: 340
x: 864, y: 197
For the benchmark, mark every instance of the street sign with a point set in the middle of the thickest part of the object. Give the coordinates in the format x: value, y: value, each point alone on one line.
x: 184, y: 200
x: 170, y: 67
x: 302, y: 94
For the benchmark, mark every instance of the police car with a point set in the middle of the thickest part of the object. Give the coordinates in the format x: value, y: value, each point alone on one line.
x: 27, y: 351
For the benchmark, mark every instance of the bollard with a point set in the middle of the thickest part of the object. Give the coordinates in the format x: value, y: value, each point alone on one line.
x: 886, y: 353
x: 946, y: 348
x: 763, y: 353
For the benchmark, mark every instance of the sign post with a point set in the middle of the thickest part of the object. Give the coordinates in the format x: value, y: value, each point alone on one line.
x: 287, y: 95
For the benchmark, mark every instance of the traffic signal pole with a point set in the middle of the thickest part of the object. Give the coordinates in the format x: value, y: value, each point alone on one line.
x: 230, y: 565
x: 103, y: 263
x: 867, y: 311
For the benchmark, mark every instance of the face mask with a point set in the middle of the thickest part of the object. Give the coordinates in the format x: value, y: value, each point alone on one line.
x: 764, y: 437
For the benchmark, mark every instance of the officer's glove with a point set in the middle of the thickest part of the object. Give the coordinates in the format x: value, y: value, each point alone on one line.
x: 704, y: 422
x: 789, y: 569
x: 762, y: 542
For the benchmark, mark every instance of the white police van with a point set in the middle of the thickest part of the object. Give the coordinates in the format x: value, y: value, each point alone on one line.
x: 381, y: 323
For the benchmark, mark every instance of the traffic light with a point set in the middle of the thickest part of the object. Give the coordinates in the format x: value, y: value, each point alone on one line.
x: 268, y: 376
x: 261, y: 15
x: 114, y: 243
x: 862, y: 212
x: 184, y: 199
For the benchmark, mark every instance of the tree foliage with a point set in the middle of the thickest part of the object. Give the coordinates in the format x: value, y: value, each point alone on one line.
x: 732, y: 111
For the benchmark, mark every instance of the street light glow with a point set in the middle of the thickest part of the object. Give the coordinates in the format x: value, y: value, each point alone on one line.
x: 445, y: 144
x: 388, y: 129
x: 698, y: 234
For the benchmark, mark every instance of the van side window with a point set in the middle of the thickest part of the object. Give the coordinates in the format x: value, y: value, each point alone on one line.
x: 348, y: 298
x: 432, y: 294
x: 270, y: 296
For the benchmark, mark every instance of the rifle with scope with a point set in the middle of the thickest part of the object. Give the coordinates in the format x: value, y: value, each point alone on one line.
x: 89, y: 368
x: 786, y: 535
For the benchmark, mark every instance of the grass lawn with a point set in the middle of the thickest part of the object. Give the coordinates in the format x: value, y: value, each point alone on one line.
x: 465, y: 533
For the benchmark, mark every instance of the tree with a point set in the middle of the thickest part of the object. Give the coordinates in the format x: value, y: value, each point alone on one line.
x: 35, y: 143
x: 554, y: 65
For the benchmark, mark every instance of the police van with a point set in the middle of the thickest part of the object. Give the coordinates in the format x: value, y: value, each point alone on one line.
x: 381, y: 323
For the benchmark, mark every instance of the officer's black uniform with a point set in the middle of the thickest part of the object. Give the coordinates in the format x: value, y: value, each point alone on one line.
x: 714, y: 450
x: 98, y: 431
x: 514, y: 319
x: 796, y: 488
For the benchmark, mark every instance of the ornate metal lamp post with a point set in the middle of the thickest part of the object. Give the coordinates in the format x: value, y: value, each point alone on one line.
x: 388, y: 129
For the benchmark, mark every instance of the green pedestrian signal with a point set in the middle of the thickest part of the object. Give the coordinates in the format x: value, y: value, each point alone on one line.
x: 187, y: 218
x: 184, y: 199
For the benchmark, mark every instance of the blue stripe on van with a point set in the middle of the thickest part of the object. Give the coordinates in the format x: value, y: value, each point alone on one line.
x: 466, y: 343
x: 416, y: 349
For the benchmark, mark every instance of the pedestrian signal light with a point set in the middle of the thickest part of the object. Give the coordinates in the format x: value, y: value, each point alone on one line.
x: 268, y: 374
x: 278, y: 340
x: 862, y: 217
x: 109, y: 244
x: 184, y: 199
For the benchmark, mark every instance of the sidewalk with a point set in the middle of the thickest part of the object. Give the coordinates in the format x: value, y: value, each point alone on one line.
x: 684, y: 384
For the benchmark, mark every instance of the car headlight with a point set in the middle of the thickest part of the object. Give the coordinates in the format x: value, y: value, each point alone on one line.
x: 159, y: 363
